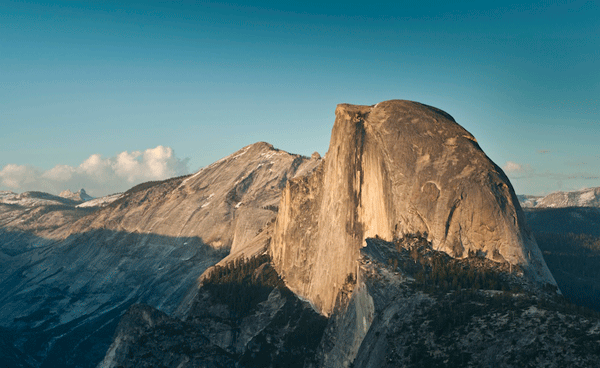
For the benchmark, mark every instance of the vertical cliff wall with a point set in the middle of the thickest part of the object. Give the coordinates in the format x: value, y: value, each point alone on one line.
x: 396, y: 168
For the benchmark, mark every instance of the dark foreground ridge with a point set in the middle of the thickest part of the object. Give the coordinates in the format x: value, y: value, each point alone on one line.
x: 242, y: 316
x: 428, y: 310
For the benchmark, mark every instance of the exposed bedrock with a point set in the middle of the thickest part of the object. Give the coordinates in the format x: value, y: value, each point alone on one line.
x: 392, y: 169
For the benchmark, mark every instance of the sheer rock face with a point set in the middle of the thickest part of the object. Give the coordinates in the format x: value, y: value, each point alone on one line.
x: 392, y: 169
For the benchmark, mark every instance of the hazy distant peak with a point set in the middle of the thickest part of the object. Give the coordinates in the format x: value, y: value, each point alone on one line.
x: 35, y: 199
x: 80, y: 195
x: 588, y: 197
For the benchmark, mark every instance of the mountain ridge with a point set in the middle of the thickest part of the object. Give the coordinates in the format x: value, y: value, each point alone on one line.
x: 588, y: 197
x: 70, y: 272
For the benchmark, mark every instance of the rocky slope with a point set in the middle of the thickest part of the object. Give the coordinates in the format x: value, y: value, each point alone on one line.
x: 392, y: 169
x: 69, y: 273
x: 465, y: 313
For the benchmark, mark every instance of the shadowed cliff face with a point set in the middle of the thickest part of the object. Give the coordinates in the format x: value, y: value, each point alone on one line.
x: 393, y: 169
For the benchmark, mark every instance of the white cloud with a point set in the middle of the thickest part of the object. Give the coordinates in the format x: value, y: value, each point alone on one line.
x: 158, y: 160
x: 512, y: 167
x: 96, y: 167
x: 516, y: 170
x: 127, y: 166
x: 14, y: 176
x: 60, y: 173
x: 99, y: 176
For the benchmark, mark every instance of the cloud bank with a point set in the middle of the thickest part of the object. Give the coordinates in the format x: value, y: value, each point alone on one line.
x: 98, y: 176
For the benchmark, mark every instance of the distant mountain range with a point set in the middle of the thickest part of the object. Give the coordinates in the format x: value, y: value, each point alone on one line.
x: 589, y: 197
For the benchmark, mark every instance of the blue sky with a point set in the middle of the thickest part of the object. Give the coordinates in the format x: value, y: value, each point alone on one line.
x: 146, y: 89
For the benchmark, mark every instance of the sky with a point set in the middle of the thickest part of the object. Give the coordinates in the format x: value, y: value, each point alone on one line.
x: 104, y: 95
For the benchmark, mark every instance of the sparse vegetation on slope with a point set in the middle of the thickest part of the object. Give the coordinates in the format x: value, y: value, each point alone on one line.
x: 242, y: 284
x: 435, y: 271
x: 243, y: 316
x: 425, y: 322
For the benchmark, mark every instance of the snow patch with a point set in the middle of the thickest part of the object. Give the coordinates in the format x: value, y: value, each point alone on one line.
x: 270, y: 154
x: 101, y: 202
x: 183, y: 183
x: 233, y: 156
x: 586, y: 197
x: 243, y: 152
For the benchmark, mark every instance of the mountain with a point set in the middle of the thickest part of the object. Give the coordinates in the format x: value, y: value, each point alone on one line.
x: 33, y: 215
x: 227, y: 202
x: 528, y: 201
x: 69, y: 273
x: 367, y: 265
x: 394, y: 169
x: 589, y: 197
x: 34, y: 199
x: 80, y: 195
x: 404, y: 246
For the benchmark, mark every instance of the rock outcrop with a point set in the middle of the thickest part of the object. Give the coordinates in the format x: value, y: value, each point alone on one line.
x: 454, y: 326
x: 394, y: 169
x: 80, y: 195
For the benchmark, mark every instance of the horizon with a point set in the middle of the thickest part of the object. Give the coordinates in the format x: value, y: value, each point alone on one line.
x: 104, y: 96
x: 74, y: 190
